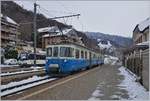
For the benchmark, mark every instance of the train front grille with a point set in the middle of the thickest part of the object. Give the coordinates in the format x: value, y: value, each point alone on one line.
x: 54, y: 68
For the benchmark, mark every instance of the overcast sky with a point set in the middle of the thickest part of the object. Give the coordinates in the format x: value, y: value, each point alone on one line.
x: 110, y: 17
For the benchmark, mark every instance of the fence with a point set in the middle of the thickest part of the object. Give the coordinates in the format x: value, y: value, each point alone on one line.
x: 138, y: 63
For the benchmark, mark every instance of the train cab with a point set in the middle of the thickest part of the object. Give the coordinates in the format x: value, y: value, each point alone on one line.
x: 59, y: 57
x: 67, y: 58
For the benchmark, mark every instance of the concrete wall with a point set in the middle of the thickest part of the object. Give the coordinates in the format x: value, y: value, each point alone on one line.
x: 145, y: 71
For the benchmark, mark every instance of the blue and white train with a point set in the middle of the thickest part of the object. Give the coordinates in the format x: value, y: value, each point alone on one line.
x: 66, y: 58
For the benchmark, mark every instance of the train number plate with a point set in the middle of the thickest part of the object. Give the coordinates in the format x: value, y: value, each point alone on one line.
x: 54, y: 65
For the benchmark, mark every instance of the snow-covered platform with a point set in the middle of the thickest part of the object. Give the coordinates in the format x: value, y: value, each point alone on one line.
x: 122, y: 86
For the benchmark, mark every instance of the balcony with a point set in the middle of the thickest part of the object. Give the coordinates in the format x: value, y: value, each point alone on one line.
x: 10, y: 38
x: 9, y: 30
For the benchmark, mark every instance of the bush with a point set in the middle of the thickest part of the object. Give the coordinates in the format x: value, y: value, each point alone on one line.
x: 11, y: 54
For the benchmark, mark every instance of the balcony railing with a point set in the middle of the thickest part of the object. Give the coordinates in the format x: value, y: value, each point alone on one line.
x: 12, y: 38
x: 9, y: 30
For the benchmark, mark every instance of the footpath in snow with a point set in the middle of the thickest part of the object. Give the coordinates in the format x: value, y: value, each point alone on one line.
x: 135, y: 90
x: 121, y: 86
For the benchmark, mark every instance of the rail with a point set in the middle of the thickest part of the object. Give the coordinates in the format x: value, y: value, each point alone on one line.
x: 5, y: 91
x: 18, y: 73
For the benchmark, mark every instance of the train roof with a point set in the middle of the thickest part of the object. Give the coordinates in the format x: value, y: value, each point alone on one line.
x: 73, y: 43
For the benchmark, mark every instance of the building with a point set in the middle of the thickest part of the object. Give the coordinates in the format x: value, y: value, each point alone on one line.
x: 136, y: 58
x: 53, y: 35
x: 9, y: 31
x: 141, y: 32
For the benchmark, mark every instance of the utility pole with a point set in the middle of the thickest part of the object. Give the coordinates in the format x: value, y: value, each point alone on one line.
x: 34, y: 25
x: 35, y: 30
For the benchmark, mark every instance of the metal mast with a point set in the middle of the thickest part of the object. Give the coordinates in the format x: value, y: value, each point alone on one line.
x: 34, y: 25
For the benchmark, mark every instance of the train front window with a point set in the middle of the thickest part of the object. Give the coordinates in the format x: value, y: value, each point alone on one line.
x: 49, y: 51
x: 82, y: 54
x: 85, y: 54
x: 77, y: 53
x: 66, y: 52
x: 55, y: 51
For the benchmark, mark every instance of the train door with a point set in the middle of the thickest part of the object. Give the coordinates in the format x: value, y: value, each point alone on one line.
x: 90, y: 60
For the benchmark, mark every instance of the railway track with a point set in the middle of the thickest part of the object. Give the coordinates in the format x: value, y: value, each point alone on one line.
x: 16, y: 69
x: 17, y: 76
x: 12, y: 89
x: 46, y: 83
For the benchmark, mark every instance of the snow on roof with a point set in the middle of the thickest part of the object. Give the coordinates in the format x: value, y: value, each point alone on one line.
x: 144, y: 24
x: 144, y: 43
x: 1, y: 15
x: 46, y: 35
x: 8, y: 19
x: 64, y: 32
x: 48, y: 29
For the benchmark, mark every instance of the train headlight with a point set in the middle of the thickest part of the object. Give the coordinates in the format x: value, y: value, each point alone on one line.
x: 65, y: 60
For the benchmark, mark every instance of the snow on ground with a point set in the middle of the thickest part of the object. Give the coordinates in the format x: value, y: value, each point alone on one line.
x: 135, y: 90
x: 33, y: 78
x: 110, y: 60
x: 25, y: 87
x: 36, y: 67
x: 96, y: 94
x: 20, y: 72
x: 105, y: 46
x: 2, y: 65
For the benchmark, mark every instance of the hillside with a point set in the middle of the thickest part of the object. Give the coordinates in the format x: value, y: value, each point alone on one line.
x: 117, y: 41
x: 20, y: 15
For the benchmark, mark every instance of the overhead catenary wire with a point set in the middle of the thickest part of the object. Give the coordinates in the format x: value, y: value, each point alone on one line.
x: 71, y: 13
x: 80, y: 22
x: 51, y: 17
x: 46, y: 11
x: 64, y: 7
x: 64, y: 20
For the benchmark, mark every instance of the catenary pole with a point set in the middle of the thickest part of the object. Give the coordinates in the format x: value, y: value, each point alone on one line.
x: 34, y: 25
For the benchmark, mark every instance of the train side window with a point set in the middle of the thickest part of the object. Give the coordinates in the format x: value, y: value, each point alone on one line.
x: 66, y: 52
x: 71, y: 52
x: 77, y: 53
x: 85, y: 54
x: 89, y: 55
x: 49, y: 51
x: 82, y: 54
x: 93, y: 56
x: 55, y: 51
